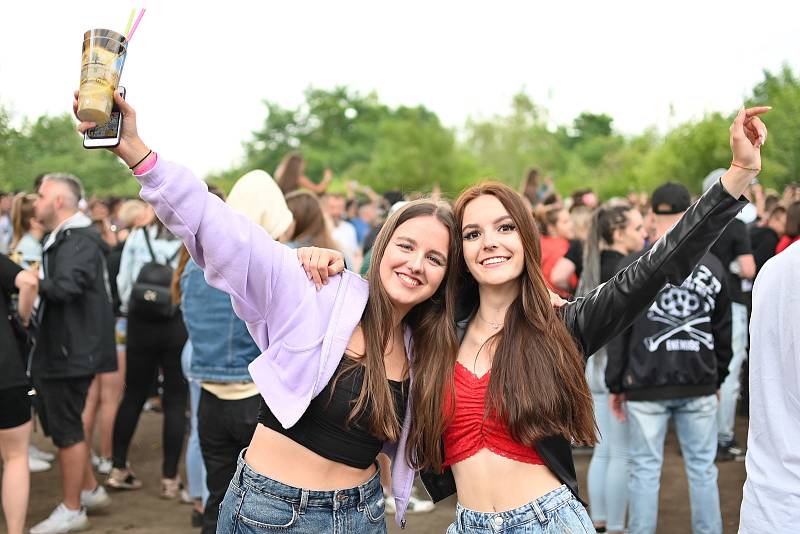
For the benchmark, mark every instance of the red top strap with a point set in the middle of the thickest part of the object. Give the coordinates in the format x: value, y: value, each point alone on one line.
x: 468, y: 433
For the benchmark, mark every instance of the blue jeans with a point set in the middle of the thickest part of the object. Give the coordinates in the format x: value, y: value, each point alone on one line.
x: 729, y: 391
x: 195, y: 468
x: 608, y: 471
x: 556, y: 511
x: 695, y: 424
x: 256, y: 504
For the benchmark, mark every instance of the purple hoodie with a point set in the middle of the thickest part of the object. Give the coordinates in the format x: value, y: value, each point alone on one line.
x: 301, y: 332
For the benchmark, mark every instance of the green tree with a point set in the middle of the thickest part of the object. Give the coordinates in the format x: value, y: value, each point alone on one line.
x: 782, y: 150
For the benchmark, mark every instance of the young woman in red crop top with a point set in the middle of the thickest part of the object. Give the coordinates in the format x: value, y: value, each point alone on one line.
x: 516, y: 396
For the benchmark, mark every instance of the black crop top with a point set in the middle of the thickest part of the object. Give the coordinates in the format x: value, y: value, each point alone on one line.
x: 323, y: 427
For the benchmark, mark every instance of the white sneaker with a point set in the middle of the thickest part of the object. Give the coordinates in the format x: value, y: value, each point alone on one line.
x: 37, y: 466
x: 104, y: 465
x: 63, y: 520
x: 37, y: 453
x: 388, y: 504
x: 95, y: 459
x: 95, y: 500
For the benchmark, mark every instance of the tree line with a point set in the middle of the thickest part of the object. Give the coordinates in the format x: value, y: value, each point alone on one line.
x: 408, y: 148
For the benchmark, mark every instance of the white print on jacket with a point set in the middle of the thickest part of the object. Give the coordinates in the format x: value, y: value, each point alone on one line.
x: 683, y: 309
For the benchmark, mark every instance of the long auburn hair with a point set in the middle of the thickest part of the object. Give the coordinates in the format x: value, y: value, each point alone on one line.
x: 288, y: 172
x: 431, y: 323
x: 537, y: 386
x: 310, y: 225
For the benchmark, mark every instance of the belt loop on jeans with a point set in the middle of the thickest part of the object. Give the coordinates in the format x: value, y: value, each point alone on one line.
x: 460, y: 520
x: 238, y: 476
x: 303, y: 502
x: 539, y: 512
x: 361, y: 494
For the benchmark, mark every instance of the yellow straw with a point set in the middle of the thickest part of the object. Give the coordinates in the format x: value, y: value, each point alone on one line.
x: 130, y: 21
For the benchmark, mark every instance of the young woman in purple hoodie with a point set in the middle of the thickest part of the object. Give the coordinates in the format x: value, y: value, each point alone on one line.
x: 335, y: 372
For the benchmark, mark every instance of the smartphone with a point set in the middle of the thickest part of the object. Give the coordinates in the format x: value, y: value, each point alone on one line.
x: 106, y: 135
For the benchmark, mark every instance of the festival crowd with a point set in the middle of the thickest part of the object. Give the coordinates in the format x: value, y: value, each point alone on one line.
x: 319, y: 357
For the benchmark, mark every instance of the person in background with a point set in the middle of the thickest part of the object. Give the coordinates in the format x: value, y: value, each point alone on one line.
x: 342, y: 231
x: 765, y: 237
x: 5, y: 222
x: 669, y: 364
x: 556, y: 228
x: 365, y: 220
x: 291, y: 176
x: 15, y: 415
x: 26, y: 251
x: 26, y: 242
x: 792, y: 227
x: 733, y: 249
x: 310, y: 226
x: 152, y: 343
x: 616, y: 231
x: 533, y: 191
x: 771, y: 501
x: 75, y: 320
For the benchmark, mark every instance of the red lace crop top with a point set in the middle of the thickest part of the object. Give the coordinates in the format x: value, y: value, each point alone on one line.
x: 468, y: 433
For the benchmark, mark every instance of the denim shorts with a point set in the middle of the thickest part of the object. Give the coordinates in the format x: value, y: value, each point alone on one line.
x: 255, y: 503
x: 557, y: 511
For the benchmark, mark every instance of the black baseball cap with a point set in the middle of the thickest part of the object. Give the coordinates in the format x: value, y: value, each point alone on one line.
x: 670, y: 198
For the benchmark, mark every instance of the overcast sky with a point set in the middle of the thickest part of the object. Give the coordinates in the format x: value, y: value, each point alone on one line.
x: 197, y: 75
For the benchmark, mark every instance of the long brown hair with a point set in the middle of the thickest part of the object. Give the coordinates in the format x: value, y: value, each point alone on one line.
x: 21, y: 214
x: 431, y: 323
x: 537, y: 386
x: 310, y: 226
x: 289, y: 171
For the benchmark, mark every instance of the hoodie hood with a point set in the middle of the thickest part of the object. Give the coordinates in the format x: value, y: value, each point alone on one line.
x: 258, y: 197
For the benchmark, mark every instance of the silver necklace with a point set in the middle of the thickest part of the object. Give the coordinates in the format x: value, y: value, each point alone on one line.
x: 493, y: 326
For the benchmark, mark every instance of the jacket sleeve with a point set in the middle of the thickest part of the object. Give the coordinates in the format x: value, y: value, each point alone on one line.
x: 722, y: 330
x: 618, y: 349
x: 605, y: 312
x: 236, y: 255
x: 76, y: 269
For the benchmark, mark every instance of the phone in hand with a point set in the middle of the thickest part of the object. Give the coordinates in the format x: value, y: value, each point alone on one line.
x: 106, y: 135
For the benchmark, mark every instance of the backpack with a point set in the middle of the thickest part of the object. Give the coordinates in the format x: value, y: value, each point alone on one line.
x: 151, y: 296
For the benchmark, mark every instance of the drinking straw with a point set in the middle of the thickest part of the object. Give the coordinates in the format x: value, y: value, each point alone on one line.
x: 135, y: 25
x: 130, y: 21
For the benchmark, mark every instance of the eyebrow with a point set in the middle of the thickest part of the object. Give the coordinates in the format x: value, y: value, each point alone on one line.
x: 414, y: 242
x: 499, y: 219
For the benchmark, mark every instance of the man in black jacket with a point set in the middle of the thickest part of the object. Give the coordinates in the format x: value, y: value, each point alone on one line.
x: 75, y: 336
x: 670, y: 363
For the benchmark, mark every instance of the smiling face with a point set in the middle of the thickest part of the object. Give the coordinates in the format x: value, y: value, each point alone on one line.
x: 492, y: 246
x: 414, y: 262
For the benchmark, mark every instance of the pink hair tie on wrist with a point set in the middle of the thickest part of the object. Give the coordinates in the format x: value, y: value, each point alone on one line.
x: 146, y: 165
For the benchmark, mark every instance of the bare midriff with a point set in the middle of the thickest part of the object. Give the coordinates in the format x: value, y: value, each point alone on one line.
x: 277, y: 457
x: 488, y: 482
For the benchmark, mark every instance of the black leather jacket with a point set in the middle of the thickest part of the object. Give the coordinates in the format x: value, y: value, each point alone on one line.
x: 595, y: 319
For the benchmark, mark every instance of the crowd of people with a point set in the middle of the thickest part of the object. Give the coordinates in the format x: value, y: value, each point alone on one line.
x: 320, y: 350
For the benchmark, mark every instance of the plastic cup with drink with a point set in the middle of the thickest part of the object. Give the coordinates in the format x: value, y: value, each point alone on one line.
x: 103, y: 57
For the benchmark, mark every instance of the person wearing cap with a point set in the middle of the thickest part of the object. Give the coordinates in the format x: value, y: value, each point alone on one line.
x: 670, y: 364
x: 734, y: 250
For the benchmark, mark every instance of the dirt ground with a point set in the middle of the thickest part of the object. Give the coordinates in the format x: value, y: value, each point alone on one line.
x: 144, y: 512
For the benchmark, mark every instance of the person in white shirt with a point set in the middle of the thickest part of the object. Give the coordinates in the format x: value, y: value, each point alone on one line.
x: 771, y: 500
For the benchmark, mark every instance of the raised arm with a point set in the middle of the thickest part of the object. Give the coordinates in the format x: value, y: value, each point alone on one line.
x: 610, y: 308
x: 237, y: 255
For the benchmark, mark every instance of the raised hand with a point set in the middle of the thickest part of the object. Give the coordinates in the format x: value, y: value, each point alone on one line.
x: 131, y: 148
x: 747, y: 134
